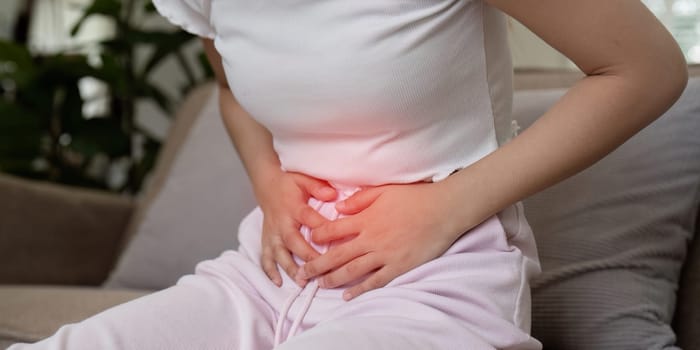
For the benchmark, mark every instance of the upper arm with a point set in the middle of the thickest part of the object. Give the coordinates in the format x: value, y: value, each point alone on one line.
x: 603, y: 36
x: 215, y: 61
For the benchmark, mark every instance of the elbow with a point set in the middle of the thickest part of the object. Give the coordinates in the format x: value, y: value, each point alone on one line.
x: 658, y: 81
x: 655, y: 75
x: 674, y: 74
x: 680, y: 78
x: 666, y: 75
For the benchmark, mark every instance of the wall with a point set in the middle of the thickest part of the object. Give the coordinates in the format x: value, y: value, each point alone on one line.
x: 529, y: 51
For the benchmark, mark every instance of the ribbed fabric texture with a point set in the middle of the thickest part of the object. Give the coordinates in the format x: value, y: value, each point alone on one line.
x: 365, y: 92
x: 613, y: 245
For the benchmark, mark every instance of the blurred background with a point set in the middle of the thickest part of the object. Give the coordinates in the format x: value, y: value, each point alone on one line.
x: 88, y: 87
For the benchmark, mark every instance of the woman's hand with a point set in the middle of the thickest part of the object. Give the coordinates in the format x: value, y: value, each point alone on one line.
x: 391, y: 230
x: 284, y: 202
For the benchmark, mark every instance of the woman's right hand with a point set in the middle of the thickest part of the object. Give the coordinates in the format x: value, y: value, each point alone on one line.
x: 283, y: 196
x: 284, y: 203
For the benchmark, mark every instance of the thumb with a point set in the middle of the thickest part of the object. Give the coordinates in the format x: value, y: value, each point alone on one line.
x: 358, y: 202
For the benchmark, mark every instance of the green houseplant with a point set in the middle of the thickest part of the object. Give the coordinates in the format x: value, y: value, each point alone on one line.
x: 44, y: 132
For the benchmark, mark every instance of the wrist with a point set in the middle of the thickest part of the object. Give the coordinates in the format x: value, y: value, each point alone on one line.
x: 467, y: 201
x: 264, y: 180
x: 455, y: 211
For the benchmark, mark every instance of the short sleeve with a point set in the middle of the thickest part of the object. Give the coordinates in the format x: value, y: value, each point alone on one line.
x: 191, y: 15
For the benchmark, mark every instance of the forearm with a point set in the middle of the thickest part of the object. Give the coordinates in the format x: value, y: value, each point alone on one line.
x: 596, y: 116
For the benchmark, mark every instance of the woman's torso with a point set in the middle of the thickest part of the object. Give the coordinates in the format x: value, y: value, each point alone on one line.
x: 370, y: 92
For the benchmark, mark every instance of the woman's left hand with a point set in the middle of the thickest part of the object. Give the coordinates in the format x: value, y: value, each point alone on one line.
x: 390, y: 230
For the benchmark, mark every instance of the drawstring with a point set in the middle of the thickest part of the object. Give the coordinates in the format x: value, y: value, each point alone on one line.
x: 304, y: 309
x: 312, y: 285
x: 288, y: 305
x: 283, y: 315
x: 293, y: 297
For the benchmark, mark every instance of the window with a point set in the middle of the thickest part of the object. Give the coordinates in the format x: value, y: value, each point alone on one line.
x: 51, y: 24
x: 682, y: 18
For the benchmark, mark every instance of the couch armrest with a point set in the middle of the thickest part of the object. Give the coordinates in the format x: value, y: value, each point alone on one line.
x: 54, y: 234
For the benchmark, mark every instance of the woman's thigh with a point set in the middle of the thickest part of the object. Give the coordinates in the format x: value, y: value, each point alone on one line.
x: 385, y: 333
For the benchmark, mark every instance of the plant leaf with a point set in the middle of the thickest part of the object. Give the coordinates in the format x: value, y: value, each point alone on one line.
x: 16, y: 63
x: 109, y: 8
x: 145, y: 89
x: 164, y: 44
x: 148, y: 7
x: 100, y: 135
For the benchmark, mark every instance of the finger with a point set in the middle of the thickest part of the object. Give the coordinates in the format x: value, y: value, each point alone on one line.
x: 295, y: 242
x: 337, y: 229
x: 359, y: 201
x: 351, y: 271
x: 376, y: 280
x: 284, y: 258
x: 270, y: 267
x: 316, y: 188
x: 331, y: 260
x: 308, y: 216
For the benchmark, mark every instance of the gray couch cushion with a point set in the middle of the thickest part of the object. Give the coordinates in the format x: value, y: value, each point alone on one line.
x: 613, y: 238
x: 191, y: 212
x: 31, y: 313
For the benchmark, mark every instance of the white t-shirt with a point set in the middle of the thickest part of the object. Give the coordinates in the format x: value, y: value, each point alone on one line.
x: 364, y: 92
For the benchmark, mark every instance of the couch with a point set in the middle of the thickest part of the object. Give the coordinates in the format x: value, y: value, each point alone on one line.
x: 62, y: 248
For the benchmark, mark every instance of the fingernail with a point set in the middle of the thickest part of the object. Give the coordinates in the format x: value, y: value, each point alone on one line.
x: 347, y: 295
x: 340, y: 205
x: 322, y: 283
x: 300, y: 275
x: 327, y: 191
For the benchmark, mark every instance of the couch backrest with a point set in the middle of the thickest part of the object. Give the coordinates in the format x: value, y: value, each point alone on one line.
x: 184, y: 119
x: 687, y: 311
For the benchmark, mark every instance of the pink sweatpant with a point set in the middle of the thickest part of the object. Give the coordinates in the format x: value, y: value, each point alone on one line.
x: 475, y: 296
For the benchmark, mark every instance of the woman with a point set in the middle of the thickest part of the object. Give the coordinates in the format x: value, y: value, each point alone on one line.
x: 370, y: 131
